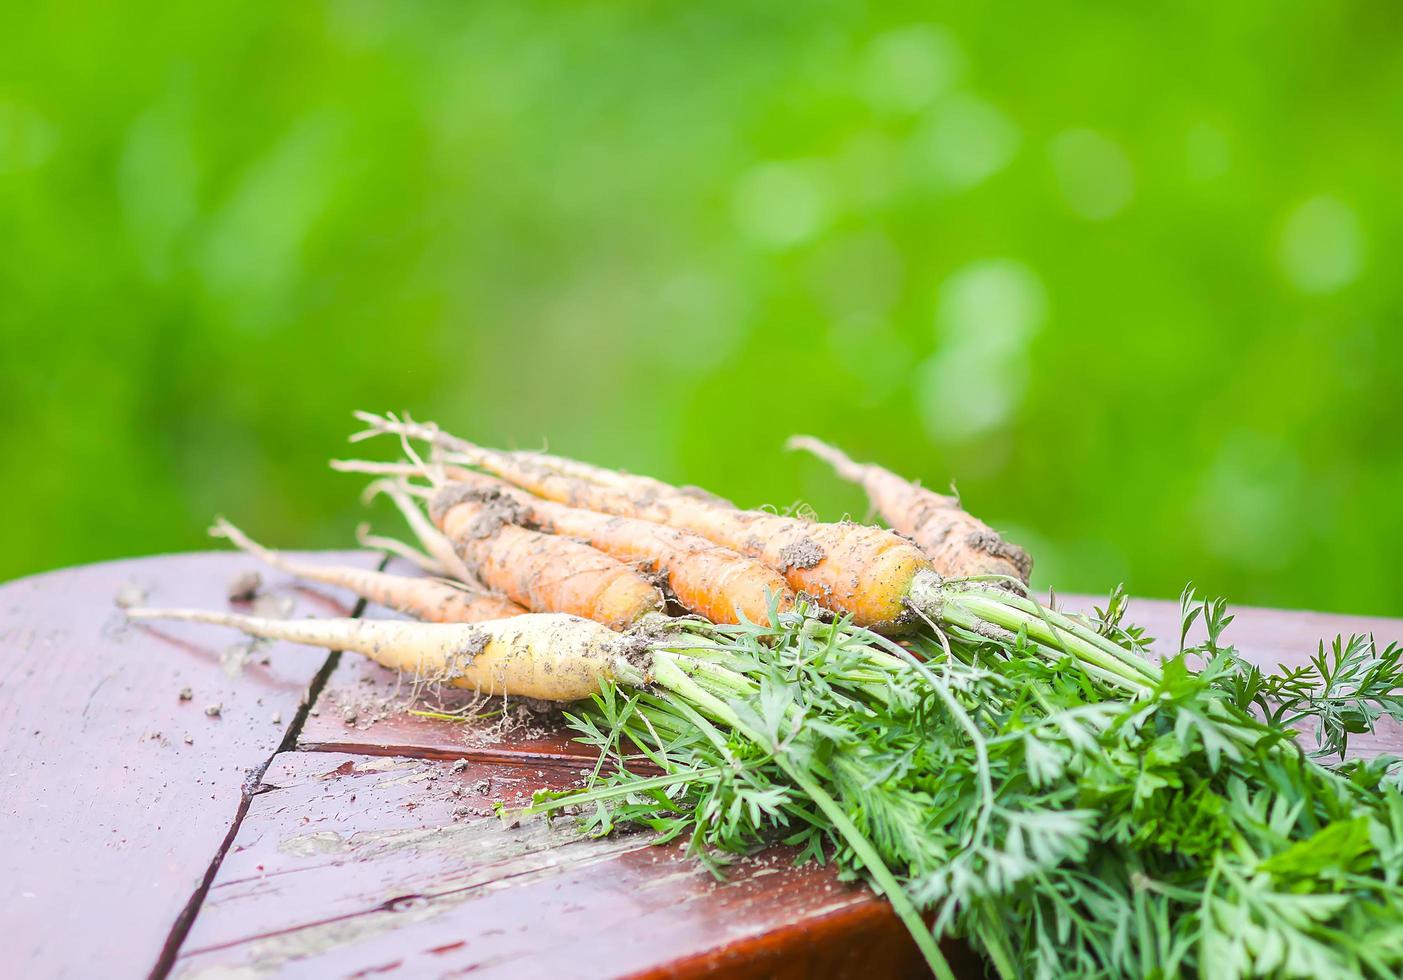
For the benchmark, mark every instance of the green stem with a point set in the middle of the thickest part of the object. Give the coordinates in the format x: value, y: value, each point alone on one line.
x: 670, y: 675
x: 720, y: 680
x: 994, y: 939
x: 964, y: 623
x: 1000, y: 613
x: 1086, y: 634
x: 901, y: 903
x: 610, y: 792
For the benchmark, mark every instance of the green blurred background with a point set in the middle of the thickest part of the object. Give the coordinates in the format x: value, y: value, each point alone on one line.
x: 1122, y: 272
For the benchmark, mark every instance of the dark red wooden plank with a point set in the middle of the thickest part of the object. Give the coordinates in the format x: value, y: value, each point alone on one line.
x: 117, y: 793
x: 358, y: 866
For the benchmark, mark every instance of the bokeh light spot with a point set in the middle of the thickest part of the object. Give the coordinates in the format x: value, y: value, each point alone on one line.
x: 905, y: 69
x: 1322, y: 246
x: 965, y: 141
x: 994, y: 305
x: 27, y: 139
x: 1093, y: 173
x: 782, y: 204
x: 158, y: 180
x: 986, y: 315
x: 1251, y: 506
x: 962, y: 393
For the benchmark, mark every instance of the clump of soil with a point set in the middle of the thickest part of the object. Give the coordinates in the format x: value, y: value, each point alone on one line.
x: 801, y: 554
x: 244, y: 586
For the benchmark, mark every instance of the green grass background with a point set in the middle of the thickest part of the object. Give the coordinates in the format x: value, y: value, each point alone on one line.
x: 1127, y: 274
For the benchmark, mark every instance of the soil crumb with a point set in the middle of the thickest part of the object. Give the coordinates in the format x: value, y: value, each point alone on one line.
x: 130, y: 596
x: 801, y: 554
x: 244, y: 586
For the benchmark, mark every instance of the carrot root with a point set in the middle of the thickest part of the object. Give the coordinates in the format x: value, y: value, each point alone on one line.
x: 393, y: 546
x: 552, y: 657
x: 431, y: 599
x: 958, y: 543
x: 429, y: 536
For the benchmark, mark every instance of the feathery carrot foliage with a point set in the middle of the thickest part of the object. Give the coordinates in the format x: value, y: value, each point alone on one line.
x: 1067, y: 811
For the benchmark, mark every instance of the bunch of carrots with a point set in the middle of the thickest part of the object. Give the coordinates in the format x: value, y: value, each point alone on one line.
x: 874, y: 695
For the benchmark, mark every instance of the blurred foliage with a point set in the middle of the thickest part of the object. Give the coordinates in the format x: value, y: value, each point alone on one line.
x: 1120, y: 270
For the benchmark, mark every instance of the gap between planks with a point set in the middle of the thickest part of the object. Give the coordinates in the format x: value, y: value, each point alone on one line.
x: 180, y: 929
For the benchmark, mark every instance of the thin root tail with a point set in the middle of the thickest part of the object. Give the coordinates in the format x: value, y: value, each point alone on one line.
x: 842, y: 464
x: 394, y: 546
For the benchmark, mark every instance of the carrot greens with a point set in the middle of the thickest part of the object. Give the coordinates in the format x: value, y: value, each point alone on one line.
x: 1066, y: 818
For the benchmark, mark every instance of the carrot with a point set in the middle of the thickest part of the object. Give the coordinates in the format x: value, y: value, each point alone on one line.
x: 538, y: 571
x: 958, y: 543
x: 865, y: 572
x: 549, y: 656
x: 428, y: 599
x: 712, y: 581
x: 542, y: 572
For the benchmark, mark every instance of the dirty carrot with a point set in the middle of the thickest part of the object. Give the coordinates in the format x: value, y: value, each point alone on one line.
x: 540, y: 571
x: 958, y: 543
x: 712, y: 581
x: 866, y: 572
x: 550, y: 656
x: 433, y: 600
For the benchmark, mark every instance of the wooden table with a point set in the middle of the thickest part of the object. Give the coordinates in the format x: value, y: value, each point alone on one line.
x: 176, y: 804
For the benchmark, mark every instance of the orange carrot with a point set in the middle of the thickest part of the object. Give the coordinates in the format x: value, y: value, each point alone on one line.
x: 958, y: 543
x: 542, y: 572
x: 866, y: 572
x: 712, y: 581
x: 429, y: 599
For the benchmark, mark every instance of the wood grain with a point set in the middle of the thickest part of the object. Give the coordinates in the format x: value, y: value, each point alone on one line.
x: 367, y: 709
x: 356, y: 867
x: 118, y: 794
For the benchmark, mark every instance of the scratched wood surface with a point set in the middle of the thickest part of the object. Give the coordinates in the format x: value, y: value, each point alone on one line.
x: 365, y: 849
x: 350, y: 865
x: 117, y: 794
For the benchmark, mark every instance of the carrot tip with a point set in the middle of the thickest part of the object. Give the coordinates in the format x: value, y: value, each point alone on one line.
x: 840, y: 461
